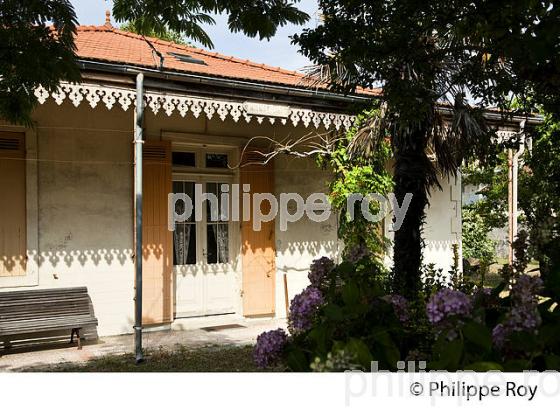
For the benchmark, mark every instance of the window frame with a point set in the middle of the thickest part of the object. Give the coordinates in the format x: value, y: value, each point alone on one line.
x: 200, y: 167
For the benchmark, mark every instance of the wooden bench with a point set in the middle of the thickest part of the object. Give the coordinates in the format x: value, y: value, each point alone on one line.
x: 25, y: 312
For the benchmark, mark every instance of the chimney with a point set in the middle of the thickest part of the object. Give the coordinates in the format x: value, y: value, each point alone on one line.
x: 108, y: 19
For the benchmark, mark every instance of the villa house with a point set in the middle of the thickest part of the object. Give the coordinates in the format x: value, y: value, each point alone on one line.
x: 67, y: 206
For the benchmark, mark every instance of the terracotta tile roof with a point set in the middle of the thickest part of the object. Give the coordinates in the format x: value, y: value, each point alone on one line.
x: 108, y: 44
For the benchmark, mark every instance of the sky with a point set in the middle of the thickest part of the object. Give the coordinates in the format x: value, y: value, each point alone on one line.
x: 277, y: 52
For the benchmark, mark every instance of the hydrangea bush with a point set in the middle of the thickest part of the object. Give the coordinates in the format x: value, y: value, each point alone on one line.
x: 303, y: 308
x: 348, y: 317
x: 524, y: 314
x: 269, y: 347
x: 319, y: 271
x: 448, y: 304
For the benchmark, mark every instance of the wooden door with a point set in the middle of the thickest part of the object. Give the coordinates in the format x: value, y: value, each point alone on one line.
x: 157, y: 268
x: 13, y: 227
x: 258, y: 248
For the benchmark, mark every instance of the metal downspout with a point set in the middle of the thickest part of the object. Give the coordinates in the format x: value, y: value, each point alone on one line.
x: 514, y: 189
x: 138, y: 141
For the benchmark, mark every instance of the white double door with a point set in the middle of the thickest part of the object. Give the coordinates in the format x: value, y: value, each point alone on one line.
x: 204, y: 252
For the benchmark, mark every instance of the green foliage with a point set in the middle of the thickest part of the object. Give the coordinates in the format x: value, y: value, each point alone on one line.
x: 492, y: 177
x: 359, y: 175
x: 539, y: 198
x: 476, y: 243
x: 354, y: 297
x: 254, y: 18
x: 37, y: 48
x: 423, y: 53
x: 433, y: 279
x: 356, y: 294
x: 167, y: 35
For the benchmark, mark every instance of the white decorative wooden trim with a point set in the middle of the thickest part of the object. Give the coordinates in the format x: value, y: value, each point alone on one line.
x: 159, y: 103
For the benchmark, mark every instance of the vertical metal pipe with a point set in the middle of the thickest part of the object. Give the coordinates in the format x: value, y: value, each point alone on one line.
x: 513, y: 166
x: 515, y: 174
x: 510, y: 206
x: 138, y: 141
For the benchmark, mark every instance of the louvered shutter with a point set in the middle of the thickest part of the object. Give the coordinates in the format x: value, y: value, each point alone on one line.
x: 258, y: 247
x: 13, y: 227
x: 157, y: 268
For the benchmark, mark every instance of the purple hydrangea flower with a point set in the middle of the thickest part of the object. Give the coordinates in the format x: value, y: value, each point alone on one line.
x: 400, y: 306
x: 319, y: 270
x: 269, y: 347
x: 524, y: 314
x: 499, y: 335
x: 302, y: 309
x: 525, y: 289
x: 448, y: 303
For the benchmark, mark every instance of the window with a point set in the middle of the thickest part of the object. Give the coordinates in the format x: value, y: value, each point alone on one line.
x: 184, y: 236
x: 185, y: 58
x: 217, y: 229
x: 206, y: 241
x: 216, y: 161
x: 184, y: 159
x: 200, y: 160
x: 212, y: 232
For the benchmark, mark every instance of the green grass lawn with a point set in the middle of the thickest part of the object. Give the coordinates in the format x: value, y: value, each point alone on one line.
x: 493, y: 277
x: 179, y: 359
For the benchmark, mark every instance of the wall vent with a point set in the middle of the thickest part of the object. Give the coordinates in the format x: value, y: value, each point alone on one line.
x: 10, y: 143
x: 154, y: 153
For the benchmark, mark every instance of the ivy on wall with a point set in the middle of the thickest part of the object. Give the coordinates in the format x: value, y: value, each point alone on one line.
x: 363, y: 175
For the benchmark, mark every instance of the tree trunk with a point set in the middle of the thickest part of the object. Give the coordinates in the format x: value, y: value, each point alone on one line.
x: 411, y: 175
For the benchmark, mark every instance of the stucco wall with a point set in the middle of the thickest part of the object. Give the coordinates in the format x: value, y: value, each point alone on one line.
x: 84, y: 216
x: 305, y: 240
x: 443, y: 225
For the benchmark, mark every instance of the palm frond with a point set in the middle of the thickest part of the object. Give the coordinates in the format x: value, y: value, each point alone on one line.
x: 333, y: 74
x: 366, y: 140
x: 453, y: 139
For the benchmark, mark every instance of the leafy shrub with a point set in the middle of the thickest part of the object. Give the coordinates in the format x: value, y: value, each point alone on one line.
x: 359, y: 175
x: 351, y: 319
x: 476, y: 243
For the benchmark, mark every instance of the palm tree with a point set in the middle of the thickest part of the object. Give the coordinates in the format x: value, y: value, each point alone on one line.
x: 429, y: 142
x: 433, y: 60
x: 425, y: 151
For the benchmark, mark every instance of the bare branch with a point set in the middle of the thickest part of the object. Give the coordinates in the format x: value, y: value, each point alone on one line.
x: 306, y: 146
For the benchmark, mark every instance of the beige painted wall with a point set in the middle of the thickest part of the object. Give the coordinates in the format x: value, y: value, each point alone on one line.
x: 84, y: 215
x: 443, y: 225
x: 305, y: 240
x: 80, y: 205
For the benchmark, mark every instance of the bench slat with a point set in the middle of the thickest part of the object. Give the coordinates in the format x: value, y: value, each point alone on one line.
x: 43, y: 310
